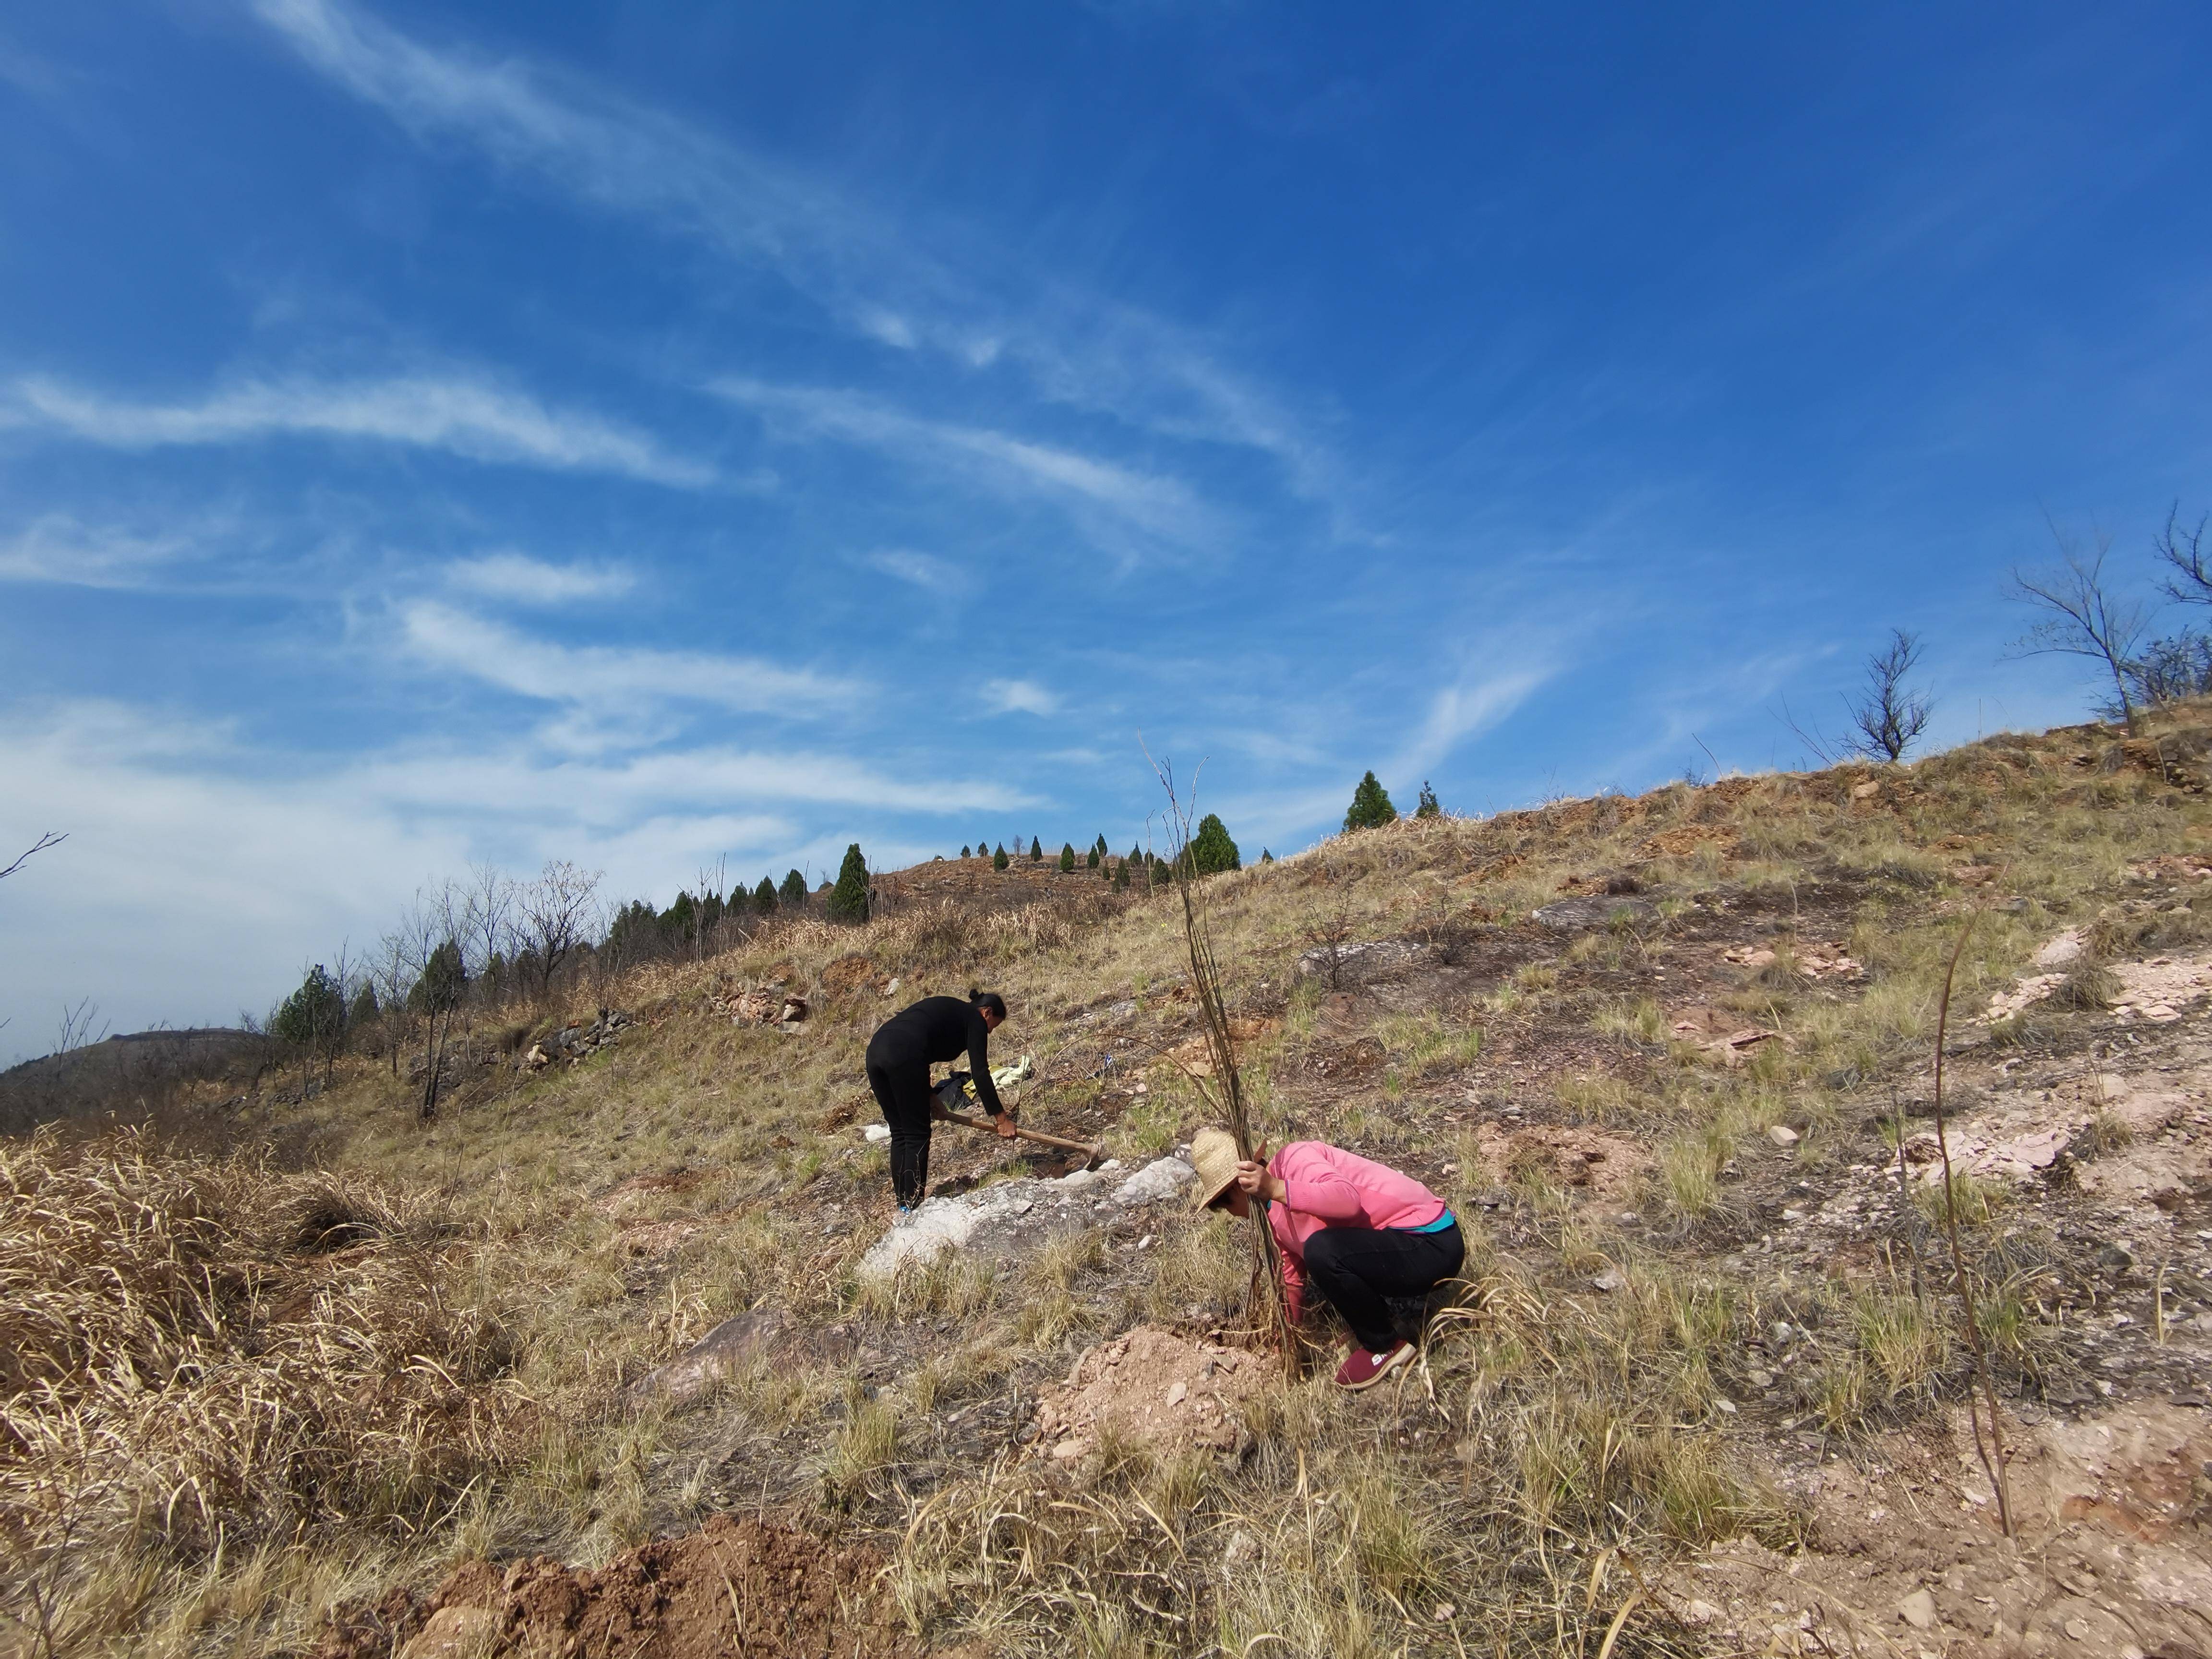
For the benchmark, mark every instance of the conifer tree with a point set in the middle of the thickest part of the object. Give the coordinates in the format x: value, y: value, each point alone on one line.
x: 1371, y: 806
x: 765, y: 896
x: 964, y: 853
x: 1428, y: 808
x: 1211, y: 850
x: 1068, y: 858
x: 313, y: 1013
x: 1096, y: 853
x: 999, y: 860
x: 680, y: 917
x: 1265, y: 857
x: 364, y: 1012
x: 1122, y: 876
x: 848, y: 900
x: 794, y: 891
x: 1037, y: 850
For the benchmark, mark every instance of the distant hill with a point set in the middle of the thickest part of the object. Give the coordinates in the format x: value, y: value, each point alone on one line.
x: 129, y: 1075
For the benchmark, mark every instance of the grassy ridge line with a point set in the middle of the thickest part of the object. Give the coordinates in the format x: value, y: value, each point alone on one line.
x: 1533, y: 1404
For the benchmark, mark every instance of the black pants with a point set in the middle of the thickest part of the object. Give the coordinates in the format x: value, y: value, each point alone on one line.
x: 901, y: 1089
x: 1357, y: 1268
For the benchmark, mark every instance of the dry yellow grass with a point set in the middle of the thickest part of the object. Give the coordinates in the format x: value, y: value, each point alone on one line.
x: 223, y: 1463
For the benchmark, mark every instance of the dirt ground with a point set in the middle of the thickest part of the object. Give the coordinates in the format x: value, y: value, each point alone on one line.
x: 745, y: 1586
x: 1151, y: 1387
x: 2109, y: 1560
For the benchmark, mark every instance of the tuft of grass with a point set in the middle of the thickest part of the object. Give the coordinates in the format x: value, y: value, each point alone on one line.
x: 952, y: 1282
x: 866, y: 1443
x: 1908, y: 1346
x: 1597, y: 1097
x: 1977, y: 1199
x: 1639, y: 1021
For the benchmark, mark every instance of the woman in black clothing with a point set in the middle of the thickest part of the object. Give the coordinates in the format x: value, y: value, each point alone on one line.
x: 899, y: 1058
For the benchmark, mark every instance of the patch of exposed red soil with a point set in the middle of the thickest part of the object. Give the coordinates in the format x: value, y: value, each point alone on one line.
x: 734, y: 1586
x: 1152, y: 1388
x: 1591, y: 1161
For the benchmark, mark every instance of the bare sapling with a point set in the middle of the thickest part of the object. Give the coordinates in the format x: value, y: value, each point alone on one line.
x: 1991, y: 1450
x: 1886, y: 718
x: 1224, y: 1093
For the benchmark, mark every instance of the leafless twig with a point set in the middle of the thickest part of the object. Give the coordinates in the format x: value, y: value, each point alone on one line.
x: 44, y: 842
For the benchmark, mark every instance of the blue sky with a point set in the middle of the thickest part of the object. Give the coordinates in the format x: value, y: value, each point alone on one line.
x: 657, y: 434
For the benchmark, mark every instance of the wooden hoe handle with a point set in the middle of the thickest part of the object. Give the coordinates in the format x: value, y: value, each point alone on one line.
x: 1037, y: 1135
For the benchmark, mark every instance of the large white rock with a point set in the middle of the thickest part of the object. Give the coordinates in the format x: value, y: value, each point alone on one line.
x: 1162, y: 1178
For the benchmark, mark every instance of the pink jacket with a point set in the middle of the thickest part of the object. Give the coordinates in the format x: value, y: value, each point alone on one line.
x: 1326, y: 1186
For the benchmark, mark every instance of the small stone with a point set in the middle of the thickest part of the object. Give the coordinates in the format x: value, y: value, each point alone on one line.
x: 1701, y: 1613
x: 1782, y: 1135
x: 1178, y: 1392
x: 2078, y: 1629
x: 1918, y: 1610
x: 2116, y: 1258
x: 1759, y: 1379
x: 1444, y: 1611
x: 877, y: 1132
x: 1611, y: 1280
x: 1724, y: 1406
x: 1069, y: 1450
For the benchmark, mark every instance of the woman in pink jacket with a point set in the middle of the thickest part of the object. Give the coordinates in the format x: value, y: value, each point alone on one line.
x: 1357, y: 1230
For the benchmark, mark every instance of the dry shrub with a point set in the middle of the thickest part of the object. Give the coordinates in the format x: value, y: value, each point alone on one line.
x: 205, y: 1356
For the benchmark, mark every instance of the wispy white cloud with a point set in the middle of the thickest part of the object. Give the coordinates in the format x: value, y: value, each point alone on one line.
x: 615, y: 676
x: 57, y: 549
x: 615, y: 155
x: 1158, y: 505
x: 520, y: 579
x: 922, y: 569
x: 462, y: 416
x: 1472, y: 706
x: 241, y: 891
x: 1019, y: 698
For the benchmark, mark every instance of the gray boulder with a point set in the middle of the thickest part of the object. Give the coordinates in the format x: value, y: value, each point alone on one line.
x: 1572, y: 915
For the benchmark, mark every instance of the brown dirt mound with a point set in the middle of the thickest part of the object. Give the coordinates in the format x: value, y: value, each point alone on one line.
x: 734, y: 1586
x: 1154, y: 1388
x: 1591, y: 1161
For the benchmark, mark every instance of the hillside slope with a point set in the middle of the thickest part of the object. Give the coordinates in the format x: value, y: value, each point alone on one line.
x: 1669, y: 1057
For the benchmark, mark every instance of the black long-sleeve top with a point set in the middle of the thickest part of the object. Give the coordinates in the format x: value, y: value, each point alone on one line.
x: 937, y: 1028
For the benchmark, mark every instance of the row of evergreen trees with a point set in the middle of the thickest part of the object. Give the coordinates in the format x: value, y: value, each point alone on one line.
x: 317, y: 1017
x: 1212, y: 848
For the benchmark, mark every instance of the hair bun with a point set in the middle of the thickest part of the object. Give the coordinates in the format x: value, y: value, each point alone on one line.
x: 975, y: 995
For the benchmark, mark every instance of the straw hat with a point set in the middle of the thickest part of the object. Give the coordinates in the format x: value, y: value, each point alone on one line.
x: 1213, y: 1154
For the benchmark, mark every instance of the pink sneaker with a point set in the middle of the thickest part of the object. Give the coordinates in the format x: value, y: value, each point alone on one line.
x: 1363, y: 1370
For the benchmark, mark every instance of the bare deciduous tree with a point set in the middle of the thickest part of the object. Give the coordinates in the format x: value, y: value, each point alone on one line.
x: 2082, y: 616
x: 2185, y: 553
x: 554, y: 914
x: 1889, y: 720
x: 50, y: 839
x: 491, y: 907
x: 435, y: 975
